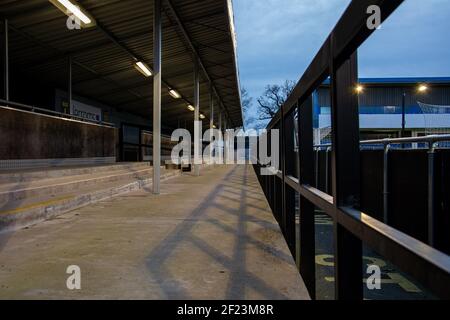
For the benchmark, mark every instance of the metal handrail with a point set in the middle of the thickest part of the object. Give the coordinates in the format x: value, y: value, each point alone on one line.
x: 51, y: 112
x: 426, y: 139
x: 431, y: 140
x: 352, y: 228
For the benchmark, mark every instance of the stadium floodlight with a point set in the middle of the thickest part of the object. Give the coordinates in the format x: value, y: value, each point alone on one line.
x: 359, y: 89
x: 191, y: 107
x: 422, y: 88
x: 174, y: 93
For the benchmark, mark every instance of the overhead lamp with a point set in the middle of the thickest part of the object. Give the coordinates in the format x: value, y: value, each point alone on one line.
x: 174, y: 93
x: 202, y: 116
x: 191, y: 107
x: 422, y: 88
x: 143, y: 68
x: 214, y: 126
x: 71, y: 8
x: 359, y: 89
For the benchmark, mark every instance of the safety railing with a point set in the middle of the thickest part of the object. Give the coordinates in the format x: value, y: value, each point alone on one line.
x: 386, y: 144
x: 21, y: 106
x: 352, y: 228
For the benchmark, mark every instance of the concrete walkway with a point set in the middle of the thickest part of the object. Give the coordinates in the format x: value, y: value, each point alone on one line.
x: 208, y: 237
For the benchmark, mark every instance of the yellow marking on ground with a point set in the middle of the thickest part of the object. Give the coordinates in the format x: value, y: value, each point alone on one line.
x: 35, y: 205
x: 403, y: 282
x: 326, y: 260
x: 395, y: 278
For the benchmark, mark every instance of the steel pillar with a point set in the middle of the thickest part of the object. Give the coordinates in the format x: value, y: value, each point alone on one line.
x: 69, y: 85
x: 306, y: 244
x: 197, y: 128
x: 431, y: 195
x: 6, y: 75
x: 346, y: 179
x: 157, y: 96
x: 211, y: 121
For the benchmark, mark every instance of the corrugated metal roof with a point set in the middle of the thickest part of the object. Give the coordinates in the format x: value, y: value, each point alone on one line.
x: 40, y: 43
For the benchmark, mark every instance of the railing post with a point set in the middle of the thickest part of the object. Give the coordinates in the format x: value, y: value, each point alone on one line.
x: 289, y: 193
x: 283, y: 171
x: 431, y: 195
x: 387, y: 148
x: 346, y: 175
x: 327, y: 173
x: 307, y: 227
x: 316, y: 168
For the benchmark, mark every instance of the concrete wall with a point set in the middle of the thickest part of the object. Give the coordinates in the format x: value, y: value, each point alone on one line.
x: 110, y: 114
x: 27, y: 135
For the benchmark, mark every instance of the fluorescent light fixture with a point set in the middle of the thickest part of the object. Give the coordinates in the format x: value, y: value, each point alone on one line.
x: 202, y: 116
x: 76, y: 11
x: 143, y: 68
x: 191, y: 107
x: 73, y: 10
x: 174, y: 93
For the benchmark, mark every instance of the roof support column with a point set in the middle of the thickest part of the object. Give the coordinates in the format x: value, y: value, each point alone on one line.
x: 197, y: 124
x: 222, y: 142
x: 211, y: 106
x: 6, y: 55
x: 157, y: 35
x: 69, y: 84
x: 211, y: 122
x: 225, y: 139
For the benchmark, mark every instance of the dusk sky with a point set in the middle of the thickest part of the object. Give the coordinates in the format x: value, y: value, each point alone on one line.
x: 277, y: 40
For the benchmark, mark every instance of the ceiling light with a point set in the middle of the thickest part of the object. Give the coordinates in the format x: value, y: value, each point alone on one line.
x: 75, y: 10
x: 174, y: 93
x: 72, y: 9
x: 191, y: 107
x: 202, y: 116
x: 143, y: 68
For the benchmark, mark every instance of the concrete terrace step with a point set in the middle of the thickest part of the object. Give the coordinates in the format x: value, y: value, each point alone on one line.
x: 19, y: 213
x: 53, y: 186
x: 25, y: 175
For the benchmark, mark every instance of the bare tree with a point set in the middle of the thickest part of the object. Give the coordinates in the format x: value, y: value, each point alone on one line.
x: 273, y: 98
x: 247, y: 103
x: 246, y: 100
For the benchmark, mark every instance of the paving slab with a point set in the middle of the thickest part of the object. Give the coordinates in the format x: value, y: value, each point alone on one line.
x: 207, y: 237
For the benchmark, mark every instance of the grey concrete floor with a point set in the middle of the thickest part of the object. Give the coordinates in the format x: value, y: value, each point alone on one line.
x: 207, y: 237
